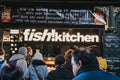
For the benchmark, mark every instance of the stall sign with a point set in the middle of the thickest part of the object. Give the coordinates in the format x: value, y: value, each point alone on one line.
x: 54, y: 36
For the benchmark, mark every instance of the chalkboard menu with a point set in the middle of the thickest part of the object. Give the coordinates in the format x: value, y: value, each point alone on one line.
x: 39, y: 15
x: 112, y: 52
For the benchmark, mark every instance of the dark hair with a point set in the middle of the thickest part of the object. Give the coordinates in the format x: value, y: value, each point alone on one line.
x: 84, y: 56
x: 59, y: 59
x: 10, y: 73
x: 68, y: 53
x: 95, y: 50
x: 29, y: 48
x: 68, y: 56
x: 2, y: 51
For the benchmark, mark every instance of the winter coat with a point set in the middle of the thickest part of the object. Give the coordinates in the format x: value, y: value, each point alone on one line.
x: 20, y: 62
x: 92, y: 72
x: 41, y: 68
x: 60, y: 73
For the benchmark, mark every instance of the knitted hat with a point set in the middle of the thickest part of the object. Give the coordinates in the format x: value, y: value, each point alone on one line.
x: 22, y: 50
x: 59, y: 59
x: 38, y: 56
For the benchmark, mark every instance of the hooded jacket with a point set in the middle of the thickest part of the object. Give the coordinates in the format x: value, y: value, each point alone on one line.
x: 21, y: 62
x: 41, y: 69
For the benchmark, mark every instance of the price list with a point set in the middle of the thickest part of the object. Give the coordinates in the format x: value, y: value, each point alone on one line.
x: 112, y: 52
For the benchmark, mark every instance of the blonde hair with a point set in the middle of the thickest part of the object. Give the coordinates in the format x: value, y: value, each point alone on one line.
x: 68, y: 52
x: 2, y: 51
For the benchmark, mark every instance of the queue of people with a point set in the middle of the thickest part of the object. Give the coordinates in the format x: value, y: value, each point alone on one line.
x: 79, y: 64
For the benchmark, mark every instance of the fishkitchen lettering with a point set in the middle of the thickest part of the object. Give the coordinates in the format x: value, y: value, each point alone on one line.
x: 54, y: 36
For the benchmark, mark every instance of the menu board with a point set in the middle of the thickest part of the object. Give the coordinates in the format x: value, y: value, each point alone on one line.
x: 39, y: 15
x: 112, y: 52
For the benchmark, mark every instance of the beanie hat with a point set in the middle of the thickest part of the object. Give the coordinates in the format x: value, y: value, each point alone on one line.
x: 38, y: 56
x: 22, y: 50
x: 59, y: 59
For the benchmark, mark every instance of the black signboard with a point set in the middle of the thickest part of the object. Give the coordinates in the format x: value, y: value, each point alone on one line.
x: 59, y: 0
x: 42, y: 15
x: 58, y: 35
x: 112, y: 52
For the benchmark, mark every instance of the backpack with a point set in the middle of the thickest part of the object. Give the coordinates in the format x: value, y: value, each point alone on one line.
x: 13, y: 62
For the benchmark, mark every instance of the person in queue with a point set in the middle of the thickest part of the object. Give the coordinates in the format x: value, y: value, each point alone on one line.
x: 85, y: 67
x: 60, y: 73
x: 67, y: 56
x: 37, y: 69
x: 19, y: 59
x: 10, y: 72
x: 2, y: 58
x: 29, y: 55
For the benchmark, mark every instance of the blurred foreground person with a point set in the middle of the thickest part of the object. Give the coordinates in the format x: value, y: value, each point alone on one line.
x: 2, y: 58
x: 37, y: 70
x: 60, y: 73
x: 10, y: 73
x: 19, y: 59
x: 85, y: 67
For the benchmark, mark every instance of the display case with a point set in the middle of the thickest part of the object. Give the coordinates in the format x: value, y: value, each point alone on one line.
x: 50, y: 62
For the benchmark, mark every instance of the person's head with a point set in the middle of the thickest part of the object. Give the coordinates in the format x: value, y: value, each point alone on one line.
x: 68, y: 53
x: 59, y: 59
x: 95, y: 50
x: 30, y: 51
x: 10, y: 73
x: 37, y: 56
x: 82, y: 48
x: 23, y: 51
x: 37, y: 50
x: 80, y: 59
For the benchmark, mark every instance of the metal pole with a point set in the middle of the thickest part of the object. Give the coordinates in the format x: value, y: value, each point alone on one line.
x: 111, y: 18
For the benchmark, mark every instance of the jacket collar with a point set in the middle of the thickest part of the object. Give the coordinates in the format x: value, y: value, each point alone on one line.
x: 88, y: 68
x: 16, y: 57
x: 59, y: 66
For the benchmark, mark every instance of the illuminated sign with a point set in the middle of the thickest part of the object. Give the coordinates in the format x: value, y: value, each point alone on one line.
x: 54, y: 36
